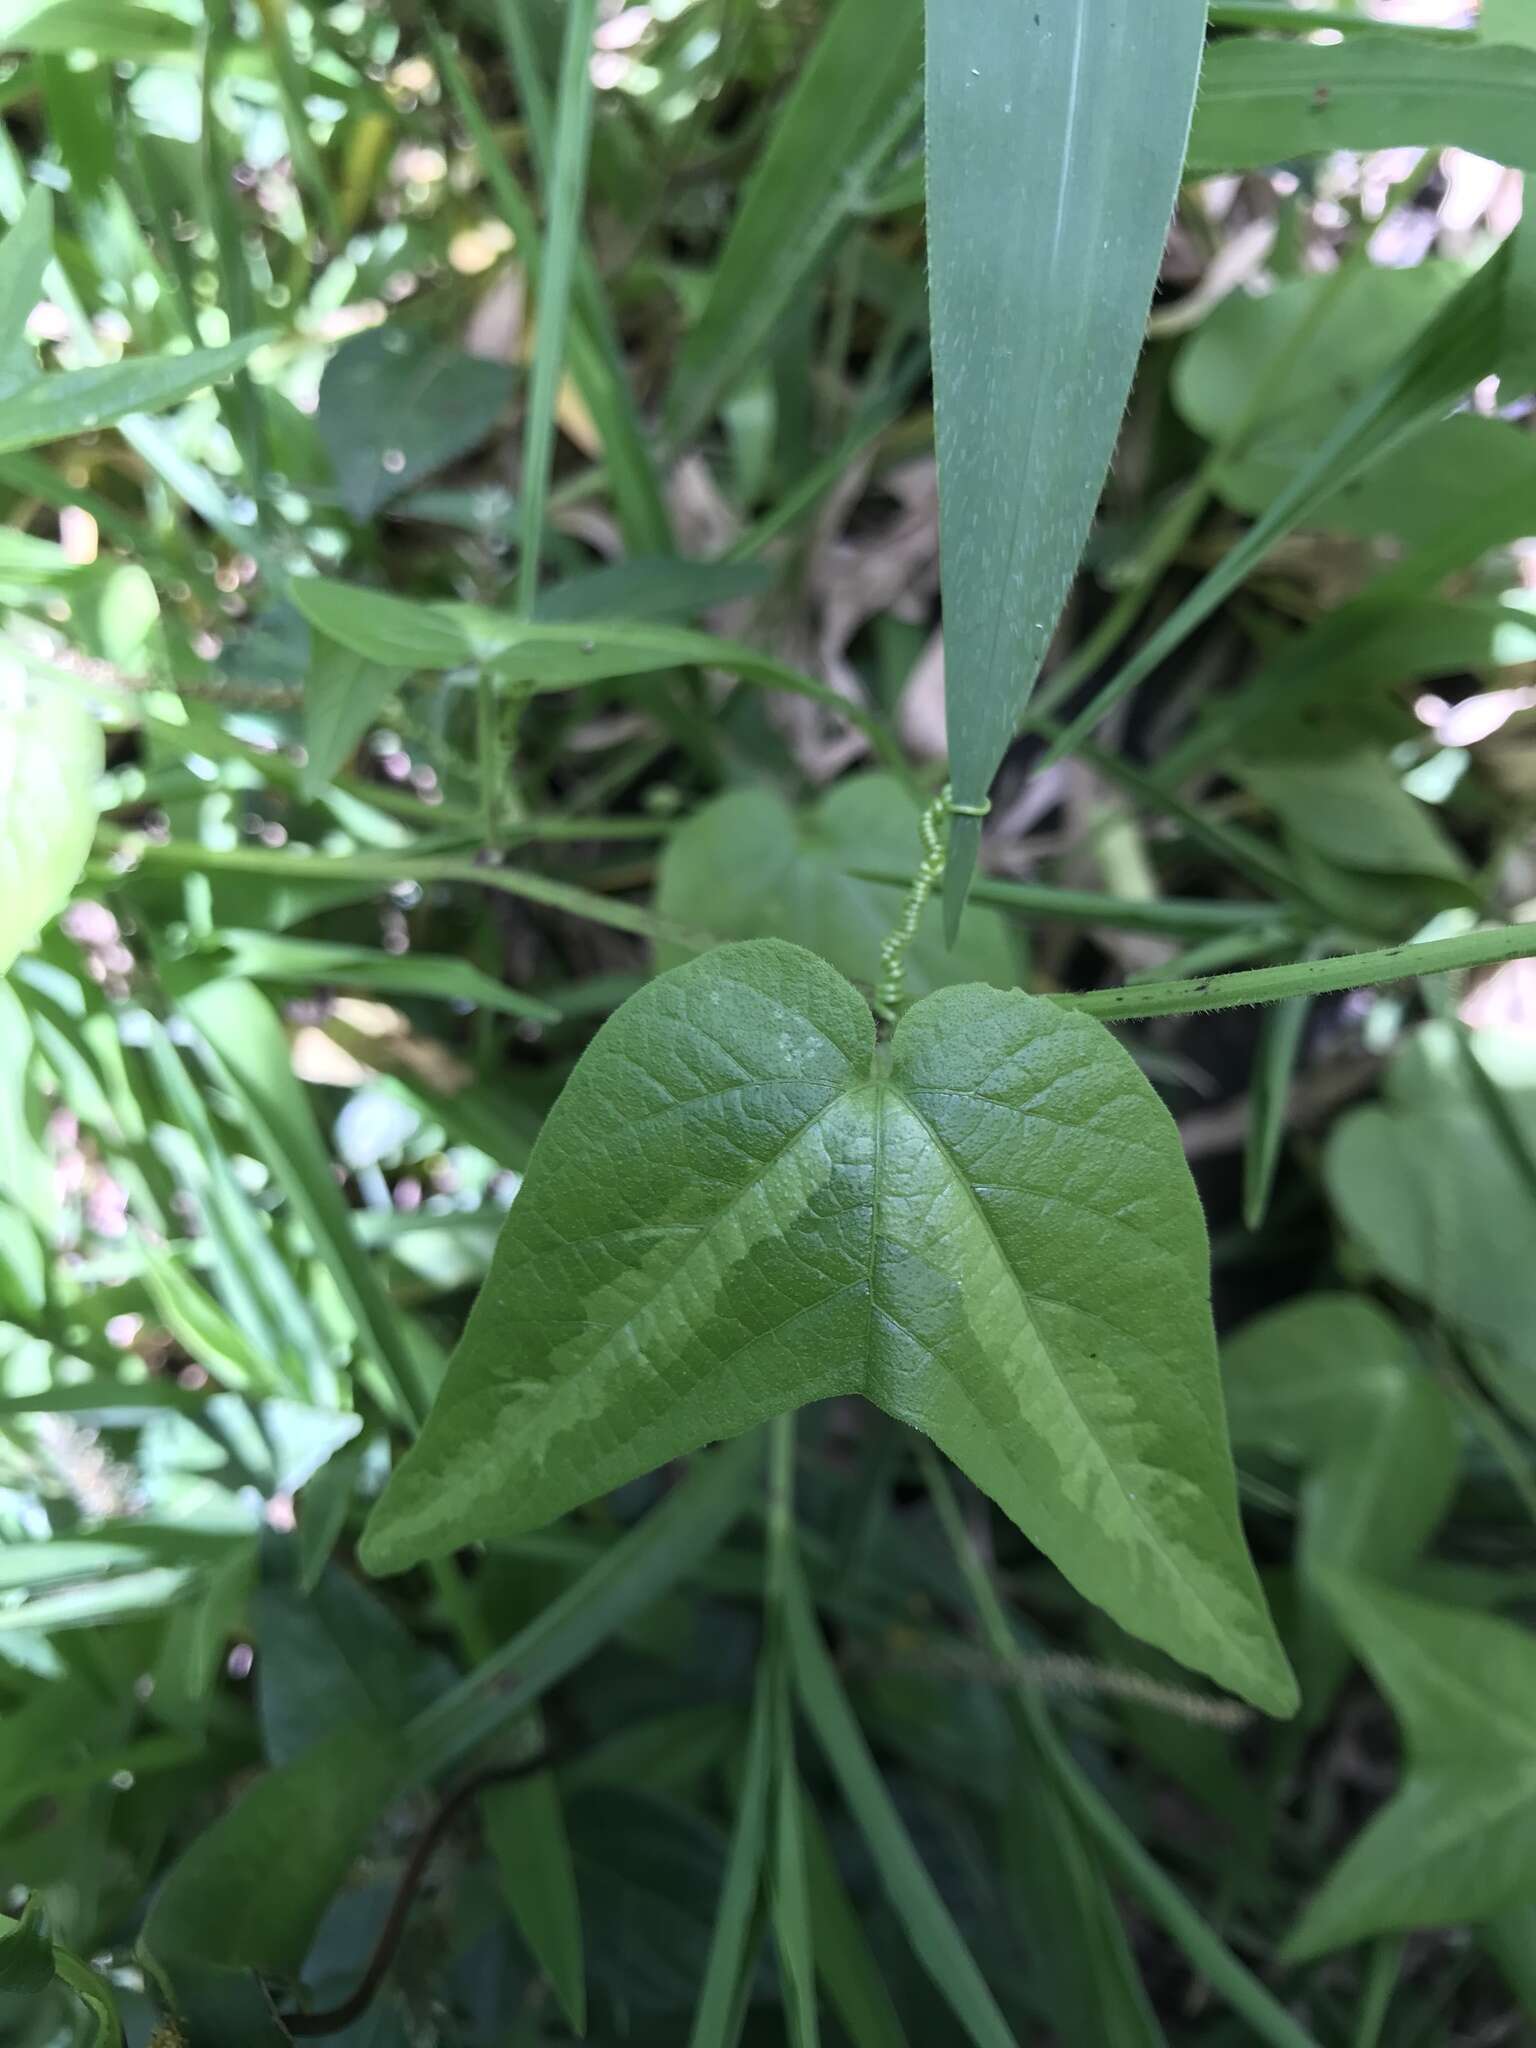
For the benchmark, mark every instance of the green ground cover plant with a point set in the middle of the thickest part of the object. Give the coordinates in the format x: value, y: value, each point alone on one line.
x: 767, y: 1085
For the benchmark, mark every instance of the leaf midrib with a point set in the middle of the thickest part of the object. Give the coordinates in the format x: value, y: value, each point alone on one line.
x: 1136, y: 1513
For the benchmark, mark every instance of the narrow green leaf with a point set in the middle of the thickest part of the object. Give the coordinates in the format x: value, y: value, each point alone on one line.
x: 788, y: 1882
x: 857, y: 94
x: 24, y: 256
x: 1484, y: 329
x: 525, y: 1830
x: 1287, y: 15
x: 309, y: 963
x: 730, y: 1946
x: 597, y: 364
x: 245, y: 1044
x: 848, y: 1971
x: 1457, y: 1842
x: 1307, y: 977
x: 936, y: 1941
x: 51, y: 754
x: 323, y: 1507
x: 562, y: 240
x: 384, y: 869
x: 548, y: 654
x: 1038, y: 315
x: 130, y: 30
x: 77, y: 401
x: 1274, y: 1065
x: 1267, y: 102
x: 736, y: 1208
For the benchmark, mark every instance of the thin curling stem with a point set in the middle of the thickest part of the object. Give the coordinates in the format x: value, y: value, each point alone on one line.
x: 891, y: 987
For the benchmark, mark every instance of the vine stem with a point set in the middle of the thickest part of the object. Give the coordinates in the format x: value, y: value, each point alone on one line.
x: 891, y: 986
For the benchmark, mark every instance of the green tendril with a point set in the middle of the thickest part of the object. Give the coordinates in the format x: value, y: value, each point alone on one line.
x: 890, y: 990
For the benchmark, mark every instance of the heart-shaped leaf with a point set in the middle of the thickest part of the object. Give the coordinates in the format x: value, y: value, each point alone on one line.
x: 1458, y: 1842
x: 741, y: 1204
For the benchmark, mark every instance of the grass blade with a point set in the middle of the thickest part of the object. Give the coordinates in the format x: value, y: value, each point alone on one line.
x: 857, y: 95
x: 731, y: 1939
x: 1279, y: 1047
x: 1039, y: 307
x: 1482, y: 329
x: 633, y: 1575
x: 246, y: 1047
x: 567, y: 191
x: 78, y: 401
x: 935, y: 1939
x: 1265, y: 102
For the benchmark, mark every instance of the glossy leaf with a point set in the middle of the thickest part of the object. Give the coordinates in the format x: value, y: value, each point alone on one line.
x: 1266, y: 102
x: 737, y: 1207
x: 50, y: 757
x: 77, y: 401
x: 1038, y: 313
x: 1457, y: 1841
x: 747, y: 866
x: 1330, y: 1383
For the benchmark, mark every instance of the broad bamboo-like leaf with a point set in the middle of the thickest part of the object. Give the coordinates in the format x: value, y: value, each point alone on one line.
x: 1266, y: 102
x: 740, y: 1205
x: 1457, y: 1842
x: 1056, y: 132
x: 50, y: 758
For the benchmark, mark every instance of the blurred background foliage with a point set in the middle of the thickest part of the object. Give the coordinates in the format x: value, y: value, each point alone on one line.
x: 329, y: 907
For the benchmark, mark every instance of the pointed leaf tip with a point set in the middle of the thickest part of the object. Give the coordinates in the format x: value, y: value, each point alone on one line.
x: 730, y: 1213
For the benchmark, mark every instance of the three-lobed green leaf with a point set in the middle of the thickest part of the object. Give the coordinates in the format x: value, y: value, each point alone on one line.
x: 1330, y: 1383
x: 741, y: 1204
x: 1457, y: 1843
